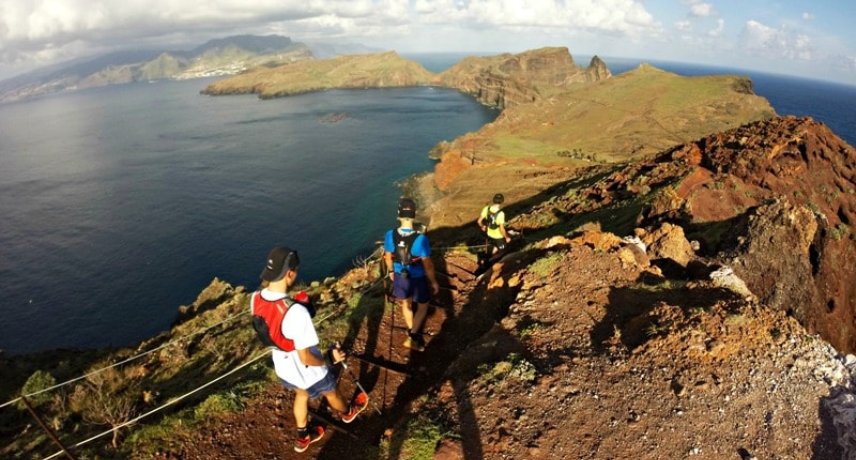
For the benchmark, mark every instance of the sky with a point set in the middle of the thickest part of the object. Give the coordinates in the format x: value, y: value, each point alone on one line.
x: 815, y: 39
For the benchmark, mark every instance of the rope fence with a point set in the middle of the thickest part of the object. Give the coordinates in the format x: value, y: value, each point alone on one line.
x: 153, y: 350
x: 165, y: 405
x: 124, y: 361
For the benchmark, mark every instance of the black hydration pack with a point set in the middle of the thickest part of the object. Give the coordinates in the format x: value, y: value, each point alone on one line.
x: 490, y: 220
x: 403, y: 245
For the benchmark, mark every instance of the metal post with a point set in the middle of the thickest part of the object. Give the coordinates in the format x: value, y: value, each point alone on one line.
x: 47, y: 430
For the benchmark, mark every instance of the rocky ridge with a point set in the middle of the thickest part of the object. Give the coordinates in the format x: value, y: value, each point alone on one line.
x: 616, y: 331
x: 512, y: 79
x: 620, y: 325
x: 726, y: 188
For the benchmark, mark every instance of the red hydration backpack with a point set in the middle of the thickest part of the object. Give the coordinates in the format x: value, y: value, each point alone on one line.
x: 267, y: 320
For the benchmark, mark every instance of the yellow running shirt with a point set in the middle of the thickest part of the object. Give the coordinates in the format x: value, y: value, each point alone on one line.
x: 493, y: 227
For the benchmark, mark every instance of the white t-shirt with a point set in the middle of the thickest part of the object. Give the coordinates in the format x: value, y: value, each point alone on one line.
x: 297, y: 326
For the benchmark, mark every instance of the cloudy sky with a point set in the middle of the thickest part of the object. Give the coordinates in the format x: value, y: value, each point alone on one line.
x: 798, y: 37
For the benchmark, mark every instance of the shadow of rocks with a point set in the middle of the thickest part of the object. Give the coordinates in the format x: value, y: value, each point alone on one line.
x: 825, y: 445
x: 629, y: 315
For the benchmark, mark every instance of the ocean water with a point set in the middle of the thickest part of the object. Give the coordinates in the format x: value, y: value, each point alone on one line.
x: 119, y: 204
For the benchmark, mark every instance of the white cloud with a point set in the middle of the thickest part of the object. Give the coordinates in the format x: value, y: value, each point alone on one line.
x: 717, y: 31
x: 701, y: 9
x: 683, y: 26
x: 807, y: 16
x: 32, y: 29
x: 614, y: 16
x: 764, y: 41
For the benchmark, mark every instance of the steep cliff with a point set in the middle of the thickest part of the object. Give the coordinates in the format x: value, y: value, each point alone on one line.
x: 511, y: 79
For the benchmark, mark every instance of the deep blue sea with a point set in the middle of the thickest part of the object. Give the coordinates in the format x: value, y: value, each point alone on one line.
x: 119, y: 204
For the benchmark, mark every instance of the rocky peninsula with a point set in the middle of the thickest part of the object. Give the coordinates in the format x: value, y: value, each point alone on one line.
x: 383, y: 70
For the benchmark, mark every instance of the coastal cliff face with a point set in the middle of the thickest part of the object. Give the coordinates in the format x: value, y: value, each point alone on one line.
x: 382, y: 70
x: 511, y: 79
x: 774, y: 200
x: 803, y: 164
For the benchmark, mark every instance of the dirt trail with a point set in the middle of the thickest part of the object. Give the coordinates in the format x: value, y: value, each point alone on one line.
x: 265, y: 428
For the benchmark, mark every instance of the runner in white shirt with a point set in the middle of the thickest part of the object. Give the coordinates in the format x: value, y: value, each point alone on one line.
x: 298, y: 362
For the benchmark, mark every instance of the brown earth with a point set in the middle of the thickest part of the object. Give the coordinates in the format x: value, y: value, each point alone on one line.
x: 573, y: 348
x: 713, y: 187
x: 614, y: 327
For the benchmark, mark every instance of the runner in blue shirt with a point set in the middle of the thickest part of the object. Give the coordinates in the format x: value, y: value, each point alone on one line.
x: 407, y: 254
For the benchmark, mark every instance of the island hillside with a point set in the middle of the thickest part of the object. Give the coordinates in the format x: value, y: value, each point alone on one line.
x: 689, y: 299
x: 219, y: 57
x: 353, y: 71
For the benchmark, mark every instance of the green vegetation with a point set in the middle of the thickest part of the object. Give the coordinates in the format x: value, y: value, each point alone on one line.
x: 218, y: 404
x: 840, y: 231
x: 38, y: 381
x: 358, y: 71
x: 514, y: 367
x: 641, y: 112
x: 515, y: 146
x: 545, y: 265
x: 530, y: 329
x: 172, y: 429
x: 655, y: 328
x: 416, y: 439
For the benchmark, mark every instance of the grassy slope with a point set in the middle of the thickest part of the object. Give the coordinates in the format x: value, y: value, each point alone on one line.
x: 637, y: 113
x: 356, y: 71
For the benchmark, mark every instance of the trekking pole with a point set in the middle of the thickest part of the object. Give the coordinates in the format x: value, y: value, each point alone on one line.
x: 357, y: 381
x: 391, y: 331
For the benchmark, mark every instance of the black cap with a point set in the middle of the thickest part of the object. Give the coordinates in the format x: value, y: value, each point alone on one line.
x: 407, y: 208
x: 280, y: 260
x: 498, y: 198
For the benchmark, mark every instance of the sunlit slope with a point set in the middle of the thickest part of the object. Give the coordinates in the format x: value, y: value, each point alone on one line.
x: 355, y: 71
x: 639, y: 112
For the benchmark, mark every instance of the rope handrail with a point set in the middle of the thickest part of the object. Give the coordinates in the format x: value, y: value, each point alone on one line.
x: 124, y: 361
x: 165, y: 405
x: 148, y: 352
x: 197, y: 389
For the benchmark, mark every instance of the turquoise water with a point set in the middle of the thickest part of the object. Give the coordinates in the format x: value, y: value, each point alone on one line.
x: 122, y: 203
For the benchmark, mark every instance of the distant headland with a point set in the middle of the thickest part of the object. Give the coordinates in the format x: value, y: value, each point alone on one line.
x: 556, y: 115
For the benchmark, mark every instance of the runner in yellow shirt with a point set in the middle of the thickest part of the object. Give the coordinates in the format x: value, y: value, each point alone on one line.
x: 492, y: 222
